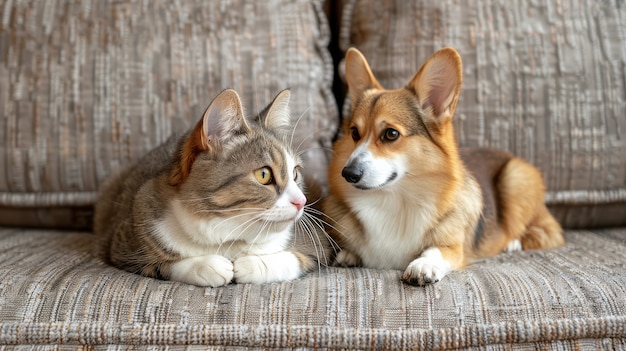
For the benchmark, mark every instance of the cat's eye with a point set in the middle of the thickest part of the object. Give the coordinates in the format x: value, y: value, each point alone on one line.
x: 355, y: 134
x: 295, y: 173
x: 264, y: 175
x: 390, y: 134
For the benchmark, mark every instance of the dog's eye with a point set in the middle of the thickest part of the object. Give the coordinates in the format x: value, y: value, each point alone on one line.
x: 355, y: 134
x: 391, y: 134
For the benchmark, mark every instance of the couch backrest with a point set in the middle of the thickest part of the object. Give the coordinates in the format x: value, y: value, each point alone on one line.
x: 544, y: 80
x: 87, y: 87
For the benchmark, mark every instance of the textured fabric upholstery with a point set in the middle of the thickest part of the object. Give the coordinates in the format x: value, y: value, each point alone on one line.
x: 88, y: 87
x: 544, y: 80
x: 55, y: 290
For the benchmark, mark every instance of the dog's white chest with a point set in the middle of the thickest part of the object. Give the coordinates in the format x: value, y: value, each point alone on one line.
x: 394, y: 231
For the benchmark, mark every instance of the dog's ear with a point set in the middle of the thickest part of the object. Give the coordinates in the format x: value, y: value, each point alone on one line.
x: 438, y: 84
x: 358, y: 75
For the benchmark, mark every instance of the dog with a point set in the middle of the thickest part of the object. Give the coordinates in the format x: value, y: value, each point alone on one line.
x: 402, y: 195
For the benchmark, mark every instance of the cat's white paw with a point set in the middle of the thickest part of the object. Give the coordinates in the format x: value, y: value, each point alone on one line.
x: 267, y: 268
x: 514, y: 245
x: 429, y: 268
x: 210, y: 270
x: 346, y: 258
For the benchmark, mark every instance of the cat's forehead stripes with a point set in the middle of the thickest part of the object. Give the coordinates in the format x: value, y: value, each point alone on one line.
x: 284, y: 166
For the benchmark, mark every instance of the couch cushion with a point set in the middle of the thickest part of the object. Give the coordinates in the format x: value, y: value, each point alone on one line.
x: 53, y: 289
x: 88, y: 87
x: 544, y: 80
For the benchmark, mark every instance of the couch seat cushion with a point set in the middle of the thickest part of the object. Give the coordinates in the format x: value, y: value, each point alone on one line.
x: 54, y: 290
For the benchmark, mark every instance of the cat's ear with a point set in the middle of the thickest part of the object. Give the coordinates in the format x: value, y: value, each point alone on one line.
x: 221, y: 121
x: 438, y: 84
x: 277, y: 116
x: 359, y: 76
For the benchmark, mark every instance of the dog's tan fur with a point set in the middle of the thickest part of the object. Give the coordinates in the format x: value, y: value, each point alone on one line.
x: 437, y: 207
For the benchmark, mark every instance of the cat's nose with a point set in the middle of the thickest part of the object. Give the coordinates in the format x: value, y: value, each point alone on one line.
x: 299, y: 202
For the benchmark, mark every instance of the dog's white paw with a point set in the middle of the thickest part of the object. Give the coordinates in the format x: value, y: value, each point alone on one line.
x: 268, y: 268
x: 210, y: 270
x: 514, y: 245
x: 429, y: 268
x: 346, y: 258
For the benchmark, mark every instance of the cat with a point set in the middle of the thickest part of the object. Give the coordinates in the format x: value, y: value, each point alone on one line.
x: 218, y: 204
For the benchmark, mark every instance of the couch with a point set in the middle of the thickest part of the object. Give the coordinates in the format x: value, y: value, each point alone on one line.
x: 87, y: 87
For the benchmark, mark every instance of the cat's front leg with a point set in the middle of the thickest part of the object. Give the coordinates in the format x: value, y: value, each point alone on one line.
x: 284, y: 265
x: 209, y: 270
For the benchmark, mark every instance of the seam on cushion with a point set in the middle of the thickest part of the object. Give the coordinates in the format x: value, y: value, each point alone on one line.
x: 48, y: 199
x: 585, y: 197
x: 276, y: 336
x: 88, y: 198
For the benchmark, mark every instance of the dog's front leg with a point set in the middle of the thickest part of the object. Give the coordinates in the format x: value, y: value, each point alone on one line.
x: 346, y: 258
x: 433, y: 264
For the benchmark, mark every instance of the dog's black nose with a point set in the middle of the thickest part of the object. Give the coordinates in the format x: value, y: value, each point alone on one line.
x: 352, y: 174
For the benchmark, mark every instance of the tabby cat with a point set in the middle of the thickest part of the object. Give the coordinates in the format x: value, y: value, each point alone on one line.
x: 215, y: 205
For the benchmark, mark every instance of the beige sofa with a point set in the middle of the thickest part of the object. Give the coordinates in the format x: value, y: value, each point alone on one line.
x: 87, y: 87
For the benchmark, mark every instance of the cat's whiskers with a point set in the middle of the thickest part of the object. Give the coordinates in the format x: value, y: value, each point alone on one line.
x: 231, y: 210
x: 295, y: 126
x: 315, y: 219
x: 304, y: 225
x: 259, y: 232
x: 237, y: 216
x: 309, y: 136
x: 246, y: 224
x: 318, y: 213
x: 323, y: 148
x: 202, y: 199
x: 312, y: 226
x: 256, y: 96
x: 264, y: 226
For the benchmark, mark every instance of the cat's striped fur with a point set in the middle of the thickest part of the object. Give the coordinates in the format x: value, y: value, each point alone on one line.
x: 214, y: 205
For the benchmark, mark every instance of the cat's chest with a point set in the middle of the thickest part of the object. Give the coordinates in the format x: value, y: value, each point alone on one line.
x: 190, y: 236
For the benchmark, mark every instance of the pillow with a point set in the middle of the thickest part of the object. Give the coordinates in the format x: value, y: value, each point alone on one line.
x: 544, y: 80
x: 90, y: 87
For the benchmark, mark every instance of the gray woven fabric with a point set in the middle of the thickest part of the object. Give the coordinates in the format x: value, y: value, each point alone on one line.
x: 542, y: 79
x: 87, y: 87
x: 54, y: 290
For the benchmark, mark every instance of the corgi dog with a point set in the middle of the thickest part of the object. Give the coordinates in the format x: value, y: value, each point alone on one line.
x: 403, y: 196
